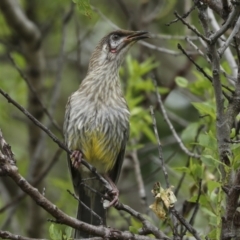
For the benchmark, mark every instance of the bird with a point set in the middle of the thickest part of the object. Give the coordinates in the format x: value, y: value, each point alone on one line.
x: 96, y: 127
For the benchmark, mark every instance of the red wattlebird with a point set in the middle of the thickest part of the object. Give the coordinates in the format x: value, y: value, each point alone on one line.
x: 96, y: 126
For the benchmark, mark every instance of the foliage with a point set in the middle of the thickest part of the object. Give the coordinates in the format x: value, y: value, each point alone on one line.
x: 84, y: 7
x: 137, y: 85
x: 57, y: 234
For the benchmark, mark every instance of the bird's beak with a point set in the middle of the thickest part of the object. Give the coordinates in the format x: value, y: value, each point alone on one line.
x: 135, y: 36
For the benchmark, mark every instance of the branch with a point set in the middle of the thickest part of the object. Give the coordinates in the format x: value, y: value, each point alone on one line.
x: 201, y: 69
x: 8, y: 168
x: 228, y: 53
x: 32, y: 89
x: 61, y: 145
x: 8, y: 235
x: 160, y: 153
x: 165, y: 116
x: 146, y: 224
x: 215, y: 5
x: 139, y: 177
x: 54, y: 138
x: 191, y: 27
x: 162, y: 50
x: 214, y: 37
x: 36, y: 182
x: 185, y: 223
x: 230, y: 38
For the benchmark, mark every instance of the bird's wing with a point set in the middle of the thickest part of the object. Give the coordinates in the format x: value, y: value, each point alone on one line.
x: 115, y: 172
x: 66, y: 120
x: 75, y: 175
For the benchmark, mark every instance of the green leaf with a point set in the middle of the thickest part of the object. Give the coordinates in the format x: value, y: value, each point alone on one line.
x: 236, y: 155
x: 84, y: 7
x: 208, y: 141
x: 197, y: 171
x: 208, y: 212
x: 181, y: 82
x: 19, y: 59
x: 135, y: 225
x: 149, y: 133
x: 163, y: 90
x: 213, y: 234
x: 209, y: 160
x: 68, y: 233
x: 212, y: 185
x: 205, y: 108
x: 54, y: 233
x: 133, y: 229
x: 189, y: 133
x: 203, y: 200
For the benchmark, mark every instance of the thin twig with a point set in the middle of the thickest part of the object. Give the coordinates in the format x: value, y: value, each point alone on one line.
x: 34, y: 92
x: 61, y: 217
x: 197, y: 202
x: 230, y: 38
x: 8, y: 167
x: 196, y: 206
x: 173, y: 37
x: 185, y: 223
x: 230, y: 78
x: 85, y: 206
x: 191, y: 27
x: 164, y: 50
x: 183, y: 16
x: 228, y: 53
x: 154, y: 230
x: 200, y: 69
x: 177, y: 189
x: 214, y: 37
x: 53, y: 137
x: 139, y: 178
x: 39, y: 146
x: 160, y: 153
x: 165, y: 116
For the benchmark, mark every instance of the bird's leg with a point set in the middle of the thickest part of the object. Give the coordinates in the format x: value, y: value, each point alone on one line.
x: 114, y: 193
x: 76, y: 158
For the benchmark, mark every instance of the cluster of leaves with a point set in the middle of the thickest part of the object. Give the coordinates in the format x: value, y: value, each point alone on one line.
x: 138, y: 88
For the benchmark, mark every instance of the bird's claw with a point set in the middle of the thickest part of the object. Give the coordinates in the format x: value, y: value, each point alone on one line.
x: 114, y: 196
x: 76, y: 158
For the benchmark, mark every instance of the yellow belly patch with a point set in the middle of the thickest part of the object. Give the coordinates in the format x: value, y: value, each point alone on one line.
x: 98, y: 153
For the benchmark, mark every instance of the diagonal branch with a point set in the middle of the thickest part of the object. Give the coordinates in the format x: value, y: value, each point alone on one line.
x: 8, y: 168
x: 166, y: 118
x: 53, y: 137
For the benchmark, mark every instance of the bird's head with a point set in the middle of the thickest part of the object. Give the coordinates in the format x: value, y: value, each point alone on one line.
x: 113, y: 48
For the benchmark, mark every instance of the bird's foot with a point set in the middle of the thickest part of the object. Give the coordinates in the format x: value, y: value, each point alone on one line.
x: 113, y: 194
x: 76, y: 158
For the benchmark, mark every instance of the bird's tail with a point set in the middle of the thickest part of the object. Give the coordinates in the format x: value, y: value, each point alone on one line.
x: 90, y: 210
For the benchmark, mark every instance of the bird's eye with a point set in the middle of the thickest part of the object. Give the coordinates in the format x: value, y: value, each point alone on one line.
x: 115, y: 37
